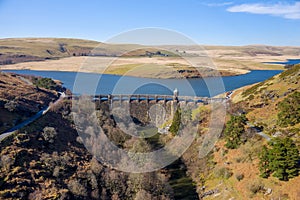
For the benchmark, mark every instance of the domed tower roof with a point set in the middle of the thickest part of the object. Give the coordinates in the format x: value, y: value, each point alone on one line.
x: 175, y: 92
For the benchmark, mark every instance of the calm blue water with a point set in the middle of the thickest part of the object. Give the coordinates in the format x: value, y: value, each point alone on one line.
x: 288, y: 62
x: 89, y: 83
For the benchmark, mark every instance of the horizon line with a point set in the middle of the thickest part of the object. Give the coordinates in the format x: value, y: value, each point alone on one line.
x: 94, y: 40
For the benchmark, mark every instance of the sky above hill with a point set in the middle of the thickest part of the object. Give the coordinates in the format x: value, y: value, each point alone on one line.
x: 219, y: 22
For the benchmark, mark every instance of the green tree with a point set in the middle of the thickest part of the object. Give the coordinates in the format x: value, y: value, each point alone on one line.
x: 278, y: 157
x: 292, y: 158
x: 264, y: 165
x: 174, y: 128
x: 47, y: 83
x: 289, y: 110
x: 281, y: 159
x: 235, y: 127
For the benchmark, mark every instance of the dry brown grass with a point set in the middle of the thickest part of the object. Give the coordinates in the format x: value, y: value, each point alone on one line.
x: 228, y: 59
x: 249, y: 168
x: 27, y: 98
x: 263, y: 108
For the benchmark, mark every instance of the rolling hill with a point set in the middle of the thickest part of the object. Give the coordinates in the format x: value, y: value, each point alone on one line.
x: 169, y: 61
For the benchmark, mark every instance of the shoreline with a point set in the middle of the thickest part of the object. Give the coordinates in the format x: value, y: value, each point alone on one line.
x: 221, y: 73
x: 142, y: 68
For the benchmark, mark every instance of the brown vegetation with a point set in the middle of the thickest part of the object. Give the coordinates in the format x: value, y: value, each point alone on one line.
x: 40, y: 162
x: 19, y: 99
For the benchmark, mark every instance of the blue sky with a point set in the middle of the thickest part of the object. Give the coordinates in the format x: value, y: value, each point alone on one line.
x: 219, y: 22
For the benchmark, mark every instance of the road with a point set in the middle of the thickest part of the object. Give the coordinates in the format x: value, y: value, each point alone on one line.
x: 259, y: 132
x: 30, y: 120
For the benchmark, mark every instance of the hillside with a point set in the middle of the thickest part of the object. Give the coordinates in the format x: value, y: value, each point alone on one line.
x: 21, y: 97
x: 234, y: 172
x: 38, y: 49
x: 262, y: 101
x: 47, y: 159
x: 137, y: 60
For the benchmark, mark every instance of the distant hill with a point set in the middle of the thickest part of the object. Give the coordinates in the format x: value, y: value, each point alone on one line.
x: 169, y: 61
x: 16, y: 50
x: 38, y: 49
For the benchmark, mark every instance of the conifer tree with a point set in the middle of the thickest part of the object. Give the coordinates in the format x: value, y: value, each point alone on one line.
x: 292, y: 158
x: 278, y: 157
x: 174, y: 128
x: 289, y: 110
x: 281, y: 159
x: 264, y: 164
x: 235, y: 127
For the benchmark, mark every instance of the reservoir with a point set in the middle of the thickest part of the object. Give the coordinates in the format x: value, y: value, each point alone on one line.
x: 288, y: 62
x: 91, y: 83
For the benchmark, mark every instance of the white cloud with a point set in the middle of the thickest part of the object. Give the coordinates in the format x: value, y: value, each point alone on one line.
x: 218, y: 4
x: 288, y: 11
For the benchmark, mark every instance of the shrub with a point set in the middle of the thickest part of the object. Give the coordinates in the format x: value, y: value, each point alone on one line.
x: 11, y: 106
x: 6, y: 161
x: 77, y: 188
x: 239, y: 159
x: 251, y: 97
x: 96, y: 167
x: 289, y: 72
x: 49, y: 134
x: 255, y: 186
x: 223, y: 173
x: 224, y: 152
x: 56, y: 171
x: 47, y: 83
x: 252, y: 90
x: 289, y: 110
x: 239, y: 177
